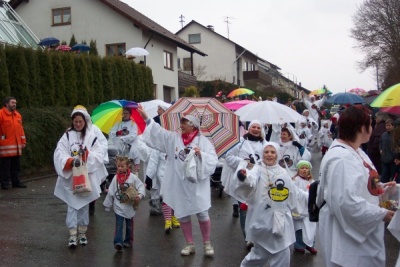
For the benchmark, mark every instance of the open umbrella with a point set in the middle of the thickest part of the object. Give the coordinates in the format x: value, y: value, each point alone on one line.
x: 48, y: 41
x: 63, y: 48
x: 151, y: 106
x: 80, y: 47
x: 345, y: 98
x: 217, y: 123
x: 108, y: 113
x: 240, y: 91
x: 392, y: 110
x: 388, y: 98
x: 136, y: 52
x: 321, y: 91
x: 235, y: 105
x: 358, y: 91
x: 270, y: 112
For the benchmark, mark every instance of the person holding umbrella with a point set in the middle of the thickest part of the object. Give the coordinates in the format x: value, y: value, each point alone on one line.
x: 186, y: 193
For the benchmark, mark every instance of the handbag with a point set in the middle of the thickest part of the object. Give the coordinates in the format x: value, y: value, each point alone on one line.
x: 80, y: 179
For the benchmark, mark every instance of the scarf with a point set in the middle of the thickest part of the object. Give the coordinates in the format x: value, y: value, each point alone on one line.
x: 122, y: 177
x: 251, y: 137
x: 188, y: 138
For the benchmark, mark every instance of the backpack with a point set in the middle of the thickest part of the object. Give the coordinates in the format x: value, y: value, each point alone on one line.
x: 313, y: 209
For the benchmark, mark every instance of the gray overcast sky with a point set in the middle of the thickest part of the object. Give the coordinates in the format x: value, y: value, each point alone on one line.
x: 308, y: 39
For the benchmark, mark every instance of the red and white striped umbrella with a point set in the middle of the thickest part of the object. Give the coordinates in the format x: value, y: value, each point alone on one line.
x: 358, y: 91
x: 217, y: 123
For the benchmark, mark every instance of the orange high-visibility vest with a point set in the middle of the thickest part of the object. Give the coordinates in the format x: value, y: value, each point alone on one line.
x: 12, y: 135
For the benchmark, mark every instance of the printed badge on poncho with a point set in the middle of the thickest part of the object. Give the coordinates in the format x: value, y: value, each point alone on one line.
x: 279, y: 192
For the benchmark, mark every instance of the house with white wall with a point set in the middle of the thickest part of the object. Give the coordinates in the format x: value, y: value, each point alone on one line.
x: 116, y: 27
x: 229, y: 61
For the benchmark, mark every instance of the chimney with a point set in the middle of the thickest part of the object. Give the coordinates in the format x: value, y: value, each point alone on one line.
x: 210, y: 27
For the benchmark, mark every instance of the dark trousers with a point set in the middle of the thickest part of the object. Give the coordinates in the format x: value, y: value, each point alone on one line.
x: 9, y: 168
x: 388, y: 171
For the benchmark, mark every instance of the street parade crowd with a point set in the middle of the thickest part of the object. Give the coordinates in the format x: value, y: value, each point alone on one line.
x: 267, y: 175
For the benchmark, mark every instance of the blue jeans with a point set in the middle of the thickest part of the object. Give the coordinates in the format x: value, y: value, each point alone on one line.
x: 119, y: 230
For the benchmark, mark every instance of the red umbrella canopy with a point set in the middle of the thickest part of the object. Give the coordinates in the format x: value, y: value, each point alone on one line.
x: 358, y: 91
x: 217, y: 123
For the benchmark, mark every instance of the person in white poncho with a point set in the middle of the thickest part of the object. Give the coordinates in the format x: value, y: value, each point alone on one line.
x: 249, y: 148
x: 272, y: 196
x: 351, y: 223
x: 79, y: 139
x: 185, y: 195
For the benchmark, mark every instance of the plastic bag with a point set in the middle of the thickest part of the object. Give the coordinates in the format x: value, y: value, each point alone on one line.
x: 390, y: 198
x: 278, y: 226
x: 190, y: 170
x: 80, y: 179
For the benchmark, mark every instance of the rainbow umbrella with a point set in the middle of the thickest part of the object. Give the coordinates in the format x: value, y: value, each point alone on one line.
x: 217, y: 123
x: 388, y: 98
x: 358, y: 91
x: 240, y: 91
x: 321, y: 91
x: 108, y: 113
x: 235, y: 105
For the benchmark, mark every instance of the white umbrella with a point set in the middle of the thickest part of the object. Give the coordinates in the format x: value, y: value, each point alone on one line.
x: 270, y: 112
x: 151, y: 106
x: 136, y: 52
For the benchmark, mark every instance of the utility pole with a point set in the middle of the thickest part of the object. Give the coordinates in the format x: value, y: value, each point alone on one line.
x: 227, y: 23
x: 182, y: 20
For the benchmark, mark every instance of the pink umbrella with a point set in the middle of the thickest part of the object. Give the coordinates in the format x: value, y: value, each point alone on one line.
x: 235, y: 105
x: 358, y: 91
x: 63, y: 48
x: 392, y: 110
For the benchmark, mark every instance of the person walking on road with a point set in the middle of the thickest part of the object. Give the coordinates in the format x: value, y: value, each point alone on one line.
x: 351, y: 223
x: 272, y: 196
x: 186, y: 195
x: 78, y: 141
x: 123, y: 206
x: 12, y: 141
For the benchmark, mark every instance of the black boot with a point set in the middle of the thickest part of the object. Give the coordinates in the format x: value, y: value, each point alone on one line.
x: 235, y: 211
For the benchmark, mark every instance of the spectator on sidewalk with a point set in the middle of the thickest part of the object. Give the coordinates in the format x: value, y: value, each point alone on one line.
x: 12, y: 141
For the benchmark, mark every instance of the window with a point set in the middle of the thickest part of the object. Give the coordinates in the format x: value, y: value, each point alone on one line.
x: 194, y: 38
x: 252, y: 66
x: 168, y: 60
x: 187, y: 64
x: 245, y: 66
x: 115, y: 50
x: 61, y: 16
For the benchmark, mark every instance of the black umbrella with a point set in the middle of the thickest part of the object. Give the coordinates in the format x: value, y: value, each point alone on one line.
x: 49, y: 41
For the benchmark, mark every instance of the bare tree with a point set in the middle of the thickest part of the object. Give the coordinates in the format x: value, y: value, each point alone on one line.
x: 377, y: 32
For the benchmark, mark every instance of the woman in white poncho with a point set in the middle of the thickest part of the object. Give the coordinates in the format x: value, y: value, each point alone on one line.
x: 249, y: 148
x: 351, y: 223
x: 78, y: 139
x: 269, y: 190
x: 185, y: 195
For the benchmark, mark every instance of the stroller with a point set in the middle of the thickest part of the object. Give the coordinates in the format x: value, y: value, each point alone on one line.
x: 116, y: 147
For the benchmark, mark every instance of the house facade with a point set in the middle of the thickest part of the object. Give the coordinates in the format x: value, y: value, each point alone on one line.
x: 116, y: 27
x: 230, y: 62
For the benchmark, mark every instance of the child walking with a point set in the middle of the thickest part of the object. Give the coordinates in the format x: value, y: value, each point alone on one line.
x: 304, y: 229
x: 122, y: 202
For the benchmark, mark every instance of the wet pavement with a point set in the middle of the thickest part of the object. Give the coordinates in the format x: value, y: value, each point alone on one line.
x: 33, y: 233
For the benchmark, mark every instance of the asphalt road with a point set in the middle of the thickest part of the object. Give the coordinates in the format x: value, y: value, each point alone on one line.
x: 33, y: 233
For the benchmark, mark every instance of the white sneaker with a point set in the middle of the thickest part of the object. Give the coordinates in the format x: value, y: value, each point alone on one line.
x: 187, y: 250
x: 72, y: 241
x: 208, y: 249
x: 82, y: 239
